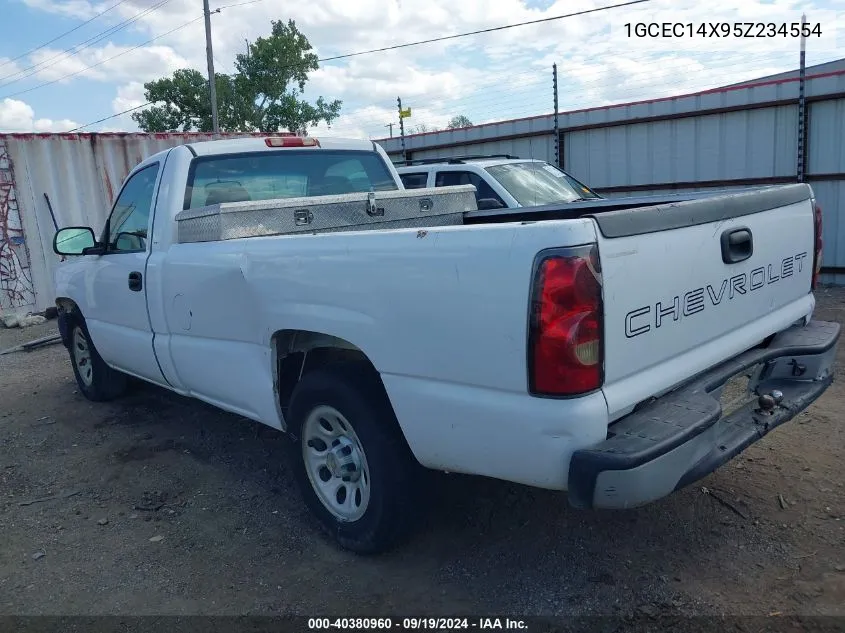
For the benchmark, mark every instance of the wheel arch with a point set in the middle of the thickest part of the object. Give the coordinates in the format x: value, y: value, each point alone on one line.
x: 67, y: 311
x: 297, y: 352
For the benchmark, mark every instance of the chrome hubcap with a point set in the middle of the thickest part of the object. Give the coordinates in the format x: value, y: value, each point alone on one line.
x: 82, y: 356
x: 335, y: 463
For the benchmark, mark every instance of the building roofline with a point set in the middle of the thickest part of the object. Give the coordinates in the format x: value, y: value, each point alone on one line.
x: 732, y: 88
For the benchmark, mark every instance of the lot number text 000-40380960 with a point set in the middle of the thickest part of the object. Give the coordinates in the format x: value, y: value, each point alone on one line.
x: 416, y: 623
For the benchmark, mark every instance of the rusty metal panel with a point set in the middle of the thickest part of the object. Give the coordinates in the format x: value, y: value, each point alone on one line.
x: 81, y: 174
x: 16, y: 287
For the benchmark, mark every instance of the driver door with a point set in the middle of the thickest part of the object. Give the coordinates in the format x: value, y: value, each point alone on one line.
x: 116, y: 314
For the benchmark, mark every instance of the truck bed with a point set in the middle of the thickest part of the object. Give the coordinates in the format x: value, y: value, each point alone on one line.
x: 571, y: 210
x: 444, y: 206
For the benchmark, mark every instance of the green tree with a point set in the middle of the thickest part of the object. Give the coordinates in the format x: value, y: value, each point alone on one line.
x: 264, y: 93
x: 421, y: 128
x: 457, y: 122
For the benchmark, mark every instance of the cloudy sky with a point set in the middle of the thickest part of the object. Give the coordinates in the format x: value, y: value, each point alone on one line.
x: 97, y: 64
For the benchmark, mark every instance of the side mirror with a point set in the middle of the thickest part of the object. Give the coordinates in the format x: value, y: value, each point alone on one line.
x: 489, y: 203
x: 74, y: 240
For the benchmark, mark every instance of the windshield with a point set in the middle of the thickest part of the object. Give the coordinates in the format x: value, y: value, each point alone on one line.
x: 284, y: 174
x: 537, y: 183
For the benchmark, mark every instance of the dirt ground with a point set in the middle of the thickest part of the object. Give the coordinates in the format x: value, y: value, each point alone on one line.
x: 156, y: 504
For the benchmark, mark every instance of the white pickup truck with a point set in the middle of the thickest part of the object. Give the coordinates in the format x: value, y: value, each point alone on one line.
x: 586, y: 351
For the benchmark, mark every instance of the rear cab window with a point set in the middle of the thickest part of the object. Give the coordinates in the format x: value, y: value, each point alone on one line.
x: 284, y: 174
x: 416, y: 180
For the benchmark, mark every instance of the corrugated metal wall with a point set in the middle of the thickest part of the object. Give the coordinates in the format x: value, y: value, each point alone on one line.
x: 81, y: 174
x: 725, y: 138
x: 541, y: 147
x: 746, y: 144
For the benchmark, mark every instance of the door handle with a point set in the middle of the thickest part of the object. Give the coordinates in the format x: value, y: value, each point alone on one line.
x: 737, y: 245
x: 135, y: 281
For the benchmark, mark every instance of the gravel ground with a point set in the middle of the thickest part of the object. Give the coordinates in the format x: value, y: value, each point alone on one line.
x: 156, y: 504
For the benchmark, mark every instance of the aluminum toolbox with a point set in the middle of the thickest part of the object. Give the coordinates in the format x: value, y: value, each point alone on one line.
x: 403, y: 208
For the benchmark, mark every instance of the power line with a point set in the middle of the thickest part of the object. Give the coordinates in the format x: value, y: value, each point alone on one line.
x: 490, y: 30
x: 239, y: 4
x: 110, y: 117
x: 493, y: 92
x: 99, y: 38
x: 76, y: 48
x: 510, y: 107
x: 60, y: 36
x: 371, y: 123
x: 100, y: 63
x: 395, y: 46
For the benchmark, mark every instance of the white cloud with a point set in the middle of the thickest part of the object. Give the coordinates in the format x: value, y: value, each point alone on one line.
x: 73, y: 9
x: 8, y: 69
x: 496, y: 75
x: 18, y: 116
x: 129, y: 96
x: 109, y: 63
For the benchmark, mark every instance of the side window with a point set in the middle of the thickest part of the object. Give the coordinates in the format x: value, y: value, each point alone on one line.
x: 414, y: 181
x: 482, y: 188
x: 130, y: 217
x: 451, y: 178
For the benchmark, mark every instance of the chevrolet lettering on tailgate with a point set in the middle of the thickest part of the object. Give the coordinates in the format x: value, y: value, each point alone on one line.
x: 639, y: 321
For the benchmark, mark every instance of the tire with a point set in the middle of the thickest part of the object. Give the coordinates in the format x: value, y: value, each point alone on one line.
x: 345, y: 407
x: 96, y: 380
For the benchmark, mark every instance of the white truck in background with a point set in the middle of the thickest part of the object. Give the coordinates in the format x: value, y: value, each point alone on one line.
x: 296, y: 283
x: 501, y: 181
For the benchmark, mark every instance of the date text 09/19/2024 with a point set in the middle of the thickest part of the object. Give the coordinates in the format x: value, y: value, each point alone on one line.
x: 415, y: 623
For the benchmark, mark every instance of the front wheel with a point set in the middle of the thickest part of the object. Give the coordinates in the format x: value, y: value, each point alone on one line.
x: 353, y: 466
x: 96, y: 380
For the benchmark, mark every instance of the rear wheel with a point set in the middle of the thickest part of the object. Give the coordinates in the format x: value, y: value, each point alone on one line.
x: 354, y: 468
x: 96, y: 380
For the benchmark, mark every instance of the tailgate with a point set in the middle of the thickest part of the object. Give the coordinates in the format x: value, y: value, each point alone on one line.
x: 689, y: 285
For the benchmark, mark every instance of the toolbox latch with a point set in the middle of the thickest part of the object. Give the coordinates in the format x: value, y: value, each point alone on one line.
x: 302, y: 217
x: 372, y: 208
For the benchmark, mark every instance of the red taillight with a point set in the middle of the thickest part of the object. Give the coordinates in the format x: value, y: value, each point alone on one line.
x: 817, y: 256
x: 291, y: 141
x: 565, y: 329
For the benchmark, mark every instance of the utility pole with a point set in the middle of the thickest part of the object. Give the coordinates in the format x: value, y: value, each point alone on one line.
x: 402, y: 129
x: 557, y: 127
x: 212, y: 83
x: 390, y: 125
x: 802, y: 106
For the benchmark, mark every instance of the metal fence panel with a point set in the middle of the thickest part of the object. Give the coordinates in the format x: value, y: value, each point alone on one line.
x: 81, y: 174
